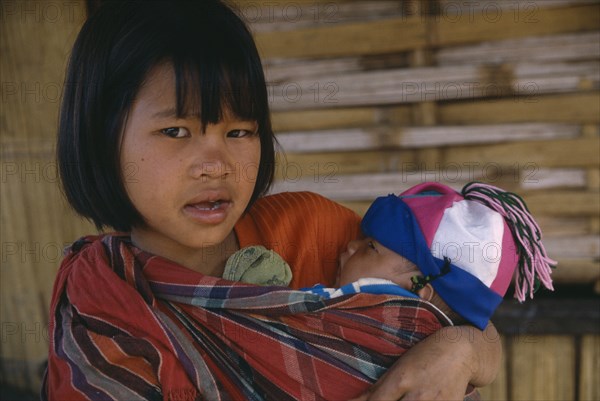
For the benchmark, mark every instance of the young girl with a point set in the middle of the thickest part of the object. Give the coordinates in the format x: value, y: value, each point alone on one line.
x: 165, y: 136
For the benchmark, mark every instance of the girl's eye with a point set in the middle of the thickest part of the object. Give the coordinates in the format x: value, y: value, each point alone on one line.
x: 176, y: 132
x: 372, y: 245
x: 240, y: 133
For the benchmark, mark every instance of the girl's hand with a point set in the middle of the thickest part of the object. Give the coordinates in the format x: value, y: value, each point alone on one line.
x: 441, y: 366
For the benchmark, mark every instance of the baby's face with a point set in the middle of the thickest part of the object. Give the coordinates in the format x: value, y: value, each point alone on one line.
x: 368, y: 258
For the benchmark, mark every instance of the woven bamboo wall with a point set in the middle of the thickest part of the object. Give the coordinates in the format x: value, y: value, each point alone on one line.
x: 368, y: 98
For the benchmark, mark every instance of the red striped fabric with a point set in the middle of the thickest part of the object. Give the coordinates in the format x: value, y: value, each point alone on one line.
x: 125, y: 325
x: 121, y: 330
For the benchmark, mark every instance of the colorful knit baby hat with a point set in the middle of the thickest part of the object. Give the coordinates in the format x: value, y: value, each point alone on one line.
x: 468, y: 245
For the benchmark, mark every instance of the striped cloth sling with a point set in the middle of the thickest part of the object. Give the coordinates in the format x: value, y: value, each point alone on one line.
x: 127, y: 325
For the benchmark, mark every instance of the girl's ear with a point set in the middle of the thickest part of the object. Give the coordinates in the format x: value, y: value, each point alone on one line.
x: 426, y: 292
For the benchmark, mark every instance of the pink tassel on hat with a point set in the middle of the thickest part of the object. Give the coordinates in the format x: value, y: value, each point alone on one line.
x: 534, y: 267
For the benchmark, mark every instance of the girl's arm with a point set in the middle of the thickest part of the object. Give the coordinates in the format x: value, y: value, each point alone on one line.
x: 441, y: 366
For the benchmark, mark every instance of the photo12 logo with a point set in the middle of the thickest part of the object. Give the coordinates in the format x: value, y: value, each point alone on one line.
x: 23, y: 332
x: 289, y: 12
x: 491, y: 12
x: 19, y: 252
x: 30, y: 92
x: 41, y: 11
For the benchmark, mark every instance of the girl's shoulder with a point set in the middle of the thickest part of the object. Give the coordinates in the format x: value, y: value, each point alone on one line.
x: 303, y: 204
x: 301, y: 209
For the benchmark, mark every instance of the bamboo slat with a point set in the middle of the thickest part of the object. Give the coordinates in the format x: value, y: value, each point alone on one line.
x: 448, y: 83
x: 542, y: 368
x: 325, y: 178
x: 339, y: 118
x: 577, y: 271
x: 494, y: 25
x: 568, y: 47
x: 575, y: 46
x: 280, y: 69
x: 334, y: 140
x: 586, y: 247
x: 358, y: 186
x: 275, y: 16
x: 552, y: 153
x: 572, y: 107
x: 564, y: 226
x: 593, y: 179
x: 297, y: 69
x: 450, y: 7
x: 594, y: 222
x: 534, y: 178
x: 530, y: 172
x: 589, y: 385
x: 294, y: 167
x: 417, y: 137
x: 381, y: 36
x: 563, y: 203
x: 579, y: 107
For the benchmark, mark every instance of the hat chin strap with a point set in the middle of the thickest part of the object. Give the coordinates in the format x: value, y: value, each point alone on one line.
x: 419, y: 282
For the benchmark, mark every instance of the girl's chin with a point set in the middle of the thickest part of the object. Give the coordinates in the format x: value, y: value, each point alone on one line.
x: 191, y: 237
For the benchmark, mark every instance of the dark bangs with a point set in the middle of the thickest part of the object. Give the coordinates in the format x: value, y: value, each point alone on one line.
x: 224, y: 70
x: 217, y: 70
x: 220, y: 78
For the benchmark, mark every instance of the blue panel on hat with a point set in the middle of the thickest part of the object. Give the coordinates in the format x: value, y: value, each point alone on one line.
x: 467, y: 296
x: 391, y: 222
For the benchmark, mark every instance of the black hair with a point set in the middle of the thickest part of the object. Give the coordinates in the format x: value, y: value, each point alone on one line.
x: 217, y: 69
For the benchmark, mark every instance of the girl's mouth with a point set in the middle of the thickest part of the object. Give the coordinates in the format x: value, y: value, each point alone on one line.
x: 208, y: 205
x: 208, y: 212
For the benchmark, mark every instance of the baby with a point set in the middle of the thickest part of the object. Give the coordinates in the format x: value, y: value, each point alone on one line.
x: 458, y: 251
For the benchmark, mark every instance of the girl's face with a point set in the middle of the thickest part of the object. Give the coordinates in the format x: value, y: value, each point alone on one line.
x: 191, y: 187
x: 368, y: 258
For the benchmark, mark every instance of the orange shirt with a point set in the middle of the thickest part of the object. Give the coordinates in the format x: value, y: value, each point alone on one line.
x: 306, y: 229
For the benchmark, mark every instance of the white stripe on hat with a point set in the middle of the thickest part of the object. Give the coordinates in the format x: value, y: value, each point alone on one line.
x: 470, y: 234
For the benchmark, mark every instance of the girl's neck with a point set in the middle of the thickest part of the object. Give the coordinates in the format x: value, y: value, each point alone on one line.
x: 209, y: 260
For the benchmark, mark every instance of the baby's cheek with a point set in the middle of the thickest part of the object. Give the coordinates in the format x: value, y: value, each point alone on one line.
x: 338, y: 276
x: 342, y: 259
x: 349, y: 273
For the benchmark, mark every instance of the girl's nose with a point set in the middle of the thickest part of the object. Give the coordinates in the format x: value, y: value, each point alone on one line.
x: 209, y: 158
x: 214, y: 168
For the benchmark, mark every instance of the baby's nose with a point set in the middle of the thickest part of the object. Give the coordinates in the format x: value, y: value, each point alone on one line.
x: 354, y: 245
